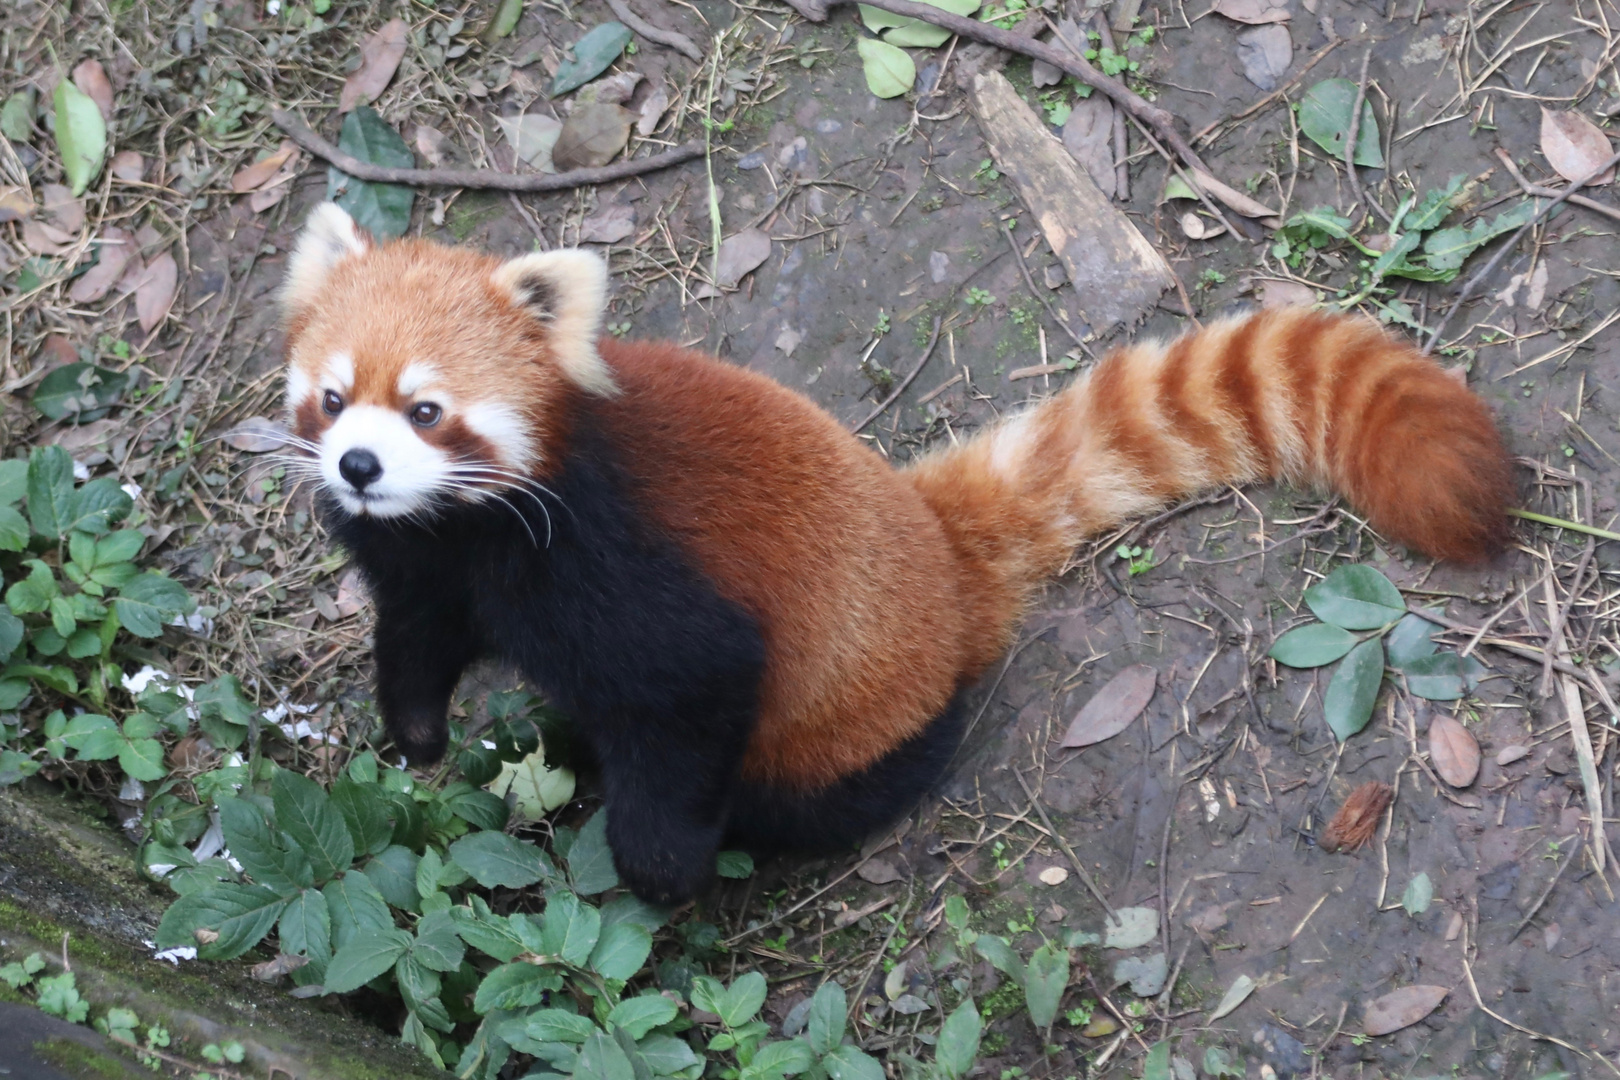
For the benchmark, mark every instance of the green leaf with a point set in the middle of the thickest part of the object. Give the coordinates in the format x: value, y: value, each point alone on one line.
x: 365, y: 813
x: 666, y: 1055
x: 357, y: 908
x: 1156, y: 1066
x: 1218, y: 1065
x: 634, y: 910
x: 639, y: 1015
x: 248, y: 837
x: 118, y: 547
x: 620, y: 951
x: 81, y: 135
x: 1418, y: 895
x: 1045, y: 978
x: 1312, y: 646
x: 13, y: 481
x: 369, y: 955
x: 1356, y: 598
x: 79, y: 392
x: 96, y: 738
x: 1348, y: 703
x: 590, y: 860
x: 13, y: 529
x: 958, y: 1044
x: 592, y: 55
x: 1412, y: 639
x: 11, y: 635
x: 437, y: 945
x: 17, y: 116
x: 306, y: 929
x: 148, y: 602
x: 505, y: 20
x: 602, y: 1058
x: 1000, y: 954
x: 515, y: 986
x: 890, y: 72
x: 778, y: 1059
x: 848, y: 1063
x: 1436, y: 678
x: 488, y: 933
x: 142, y: 759
x: 420, y: 987
x: 393, y: 871
x: 50, y: 490
x: 742, y: 1000
x: 734, y: 864
x: 383, y: 209
x: 495, y: 859
x: 914, y: 33
x: 1435, y: 205
x: 481, y: 809
x: 1324, y: 116
x: 304, y: 812
x: 570, y: 929
x: 240, y: 914
x: 96, y: 505
x: 1446, y: 249
x: 828, y: 1010
x: 556, y: 1025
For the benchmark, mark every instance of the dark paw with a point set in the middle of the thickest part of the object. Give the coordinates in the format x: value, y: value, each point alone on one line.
x: 421, y: 741
x: 664, y: 864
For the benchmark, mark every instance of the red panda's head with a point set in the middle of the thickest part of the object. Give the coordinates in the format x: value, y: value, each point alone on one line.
x: 418, y: 374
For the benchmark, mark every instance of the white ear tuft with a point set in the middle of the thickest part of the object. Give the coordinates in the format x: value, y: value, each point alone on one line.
x: 567, y: 290
x: 330, y: 236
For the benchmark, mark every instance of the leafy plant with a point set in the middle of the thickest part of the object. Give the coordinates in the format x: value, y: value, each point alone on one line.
x: 1137, y: 560
x: 976, y: 297
x: 1359, y: 599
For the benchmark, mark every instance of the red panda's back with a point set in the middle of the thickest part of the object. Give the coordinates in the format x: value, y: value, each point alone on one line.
x: 846, y: 568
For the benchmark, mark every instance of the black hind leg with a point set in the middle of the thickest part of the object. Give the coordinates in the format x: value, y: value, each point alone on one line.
x: 766, y: 820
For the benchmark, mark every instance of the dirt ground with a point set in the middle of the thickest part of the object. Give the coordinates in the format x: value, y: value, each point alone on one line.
x: 1209, y: 807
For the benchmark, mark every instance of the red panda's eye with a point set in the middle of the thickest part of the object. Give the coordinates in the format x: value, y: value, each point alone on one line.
x: 331, y: 403
x: 426, y: 414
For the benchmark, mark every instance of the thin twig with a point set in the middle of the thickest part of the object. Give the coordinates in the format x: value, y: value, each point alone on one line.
x: 669, y: 38
x: 1355, y: 128
x: 933, y: 339
x: 1057, y: 315
x: 1563, y: 615
x: 299, y: 133
x: 1541, y: 191
x: 1074, y: 860
x: 1546, y: 892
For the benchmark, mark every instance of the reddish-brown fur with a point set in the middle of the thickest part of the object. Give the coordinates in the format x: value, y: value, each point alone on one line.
x: 881, y: 591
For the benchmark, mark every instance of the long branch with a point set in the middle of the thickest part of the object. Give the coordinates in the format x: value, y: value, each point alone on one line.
x: 1158, y: 119
x: 301, y: 134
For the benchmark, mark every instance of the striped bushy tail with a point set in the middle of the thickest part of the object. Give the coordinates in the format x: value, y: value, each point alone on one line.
x: 1330, y: 401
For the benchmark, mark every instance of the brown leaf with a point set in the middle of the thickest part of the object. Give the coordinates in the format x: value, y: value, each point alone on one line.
x: 1357, y: 820
x: 65, y: 212
x: 1112, y: 708
x: 1088, y: 135
x: 128, y: 165
x: 878, y: 872
x: 43, y: 238
x: 1453, y: 751
x: 1254, y: 12
x: 611, y: 90
x: 652, y: 111
x: 534, y: 138
x: 1509, y: 754
x: 379, y: 59
x: 155, y: 294
x: 608, y: 225
x: 741, y: 253
x: 254, y: 176
x: 436, y: 147
x: 1265, y: 53
x: 1275, y: 294
x: 351, y: 593
x: 593, y: 135
x: 280, y: 967
x: 113, y: 255
x: 1574, y: 146
x: 256, y: 435
x: 16, y: 203
x: 91, y: 77
x: 1402, y: 1008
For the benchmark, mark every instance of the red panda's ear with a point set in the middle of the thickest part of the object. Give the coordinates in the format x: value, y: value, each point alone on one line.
x: 330, y: 236
x: 567, y: 291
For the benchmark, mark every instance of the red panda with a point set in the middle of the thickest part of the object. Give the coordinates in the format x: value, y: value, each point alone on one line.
x: 759, y: 626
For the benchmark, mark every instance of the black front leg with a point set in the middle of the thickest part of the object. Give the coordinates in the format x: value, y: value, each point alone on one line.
x: 421, y: 650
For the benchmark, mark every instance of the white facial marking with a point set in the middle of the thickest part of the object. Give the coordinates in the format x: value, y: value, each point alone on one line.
x: 340, y: 371
x: 412, y: 470
x: 415, y: 377
x: 505, y: 429
x: 298, y: 387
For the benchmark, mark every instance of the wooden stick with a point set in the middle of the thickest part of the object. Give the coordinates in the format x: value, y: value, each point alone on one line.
x: 668, y: 38
x: 1542, y: 192
x: 933, y: 339
x: 1158, y: 119
x: 301, y: 134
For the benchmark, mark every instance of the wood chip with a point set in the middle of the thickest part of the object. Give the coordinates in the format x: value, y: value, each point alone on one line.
x: 1357, y: 820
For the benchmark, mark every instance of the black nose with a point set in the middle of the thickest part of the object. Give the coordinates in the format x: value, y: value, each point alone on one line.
x: 360, y: 468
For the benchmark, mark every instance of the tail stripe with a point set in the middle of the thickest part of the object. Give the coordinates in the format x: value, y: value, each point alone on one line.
x: 1239, y: 389
x: 1176, y: 385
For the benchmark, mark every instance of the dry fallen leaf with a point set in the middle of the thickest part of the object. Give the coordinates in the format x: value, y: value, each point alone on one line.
x: 379, y: 59
x: 1112, y: 708
x: 1509, y: 754
x: 740, y: 253
x: 43, y: 238
x: 65, y: 212
x: 608, y: 225
x: 1357, y: 820
x: 155, y: 294
x: 1254, y: 12
x: 1209, y: 920
x: 257, y: 434
x: 1265, y: 53
x: 16, y: 203
x: 1088, y: 136
x: 1054, y: 875
x: 351, y: 594
x: 254, y: 176
x: 592, y: 136
x: 1574, y: 146
x: 1402, y: 1008
x: 611, y: 90
x: 1275, y: 294
x: 652, y: 111
x: 91, y: 77
x: 788, y: 340
x: 878, y: 872
x: 113, y: 253
x: 1453, y: 751
x: 533, y: 137
x: 280, y: 967
x: 436, y: 147
x: 128, y: 165
x: 276, y: 188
